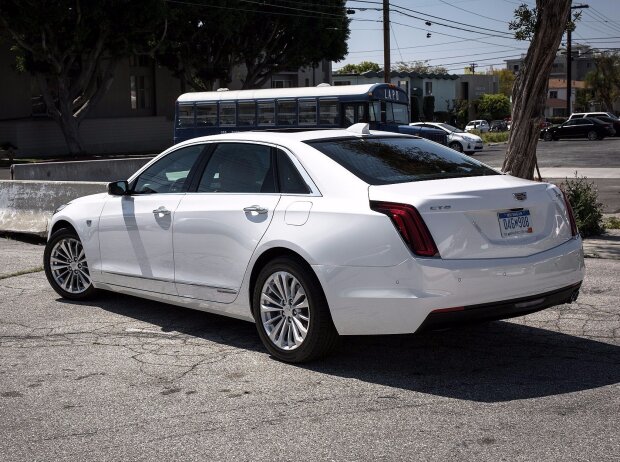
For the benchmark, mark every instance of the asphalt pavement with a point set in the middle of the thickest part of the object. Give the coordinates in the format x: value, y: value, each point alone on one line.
x: 121, y: 378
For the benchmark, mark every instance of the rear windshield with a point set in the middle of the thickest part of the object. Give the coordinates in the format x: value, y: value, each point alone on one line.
x: 391, y: 160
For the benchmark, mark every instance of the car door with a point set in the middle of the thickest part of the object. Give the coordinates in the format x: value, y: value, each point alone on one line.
x: 217, y: 227
x: 135, y: 230
x: 567, y: 129
x: 584, y: 126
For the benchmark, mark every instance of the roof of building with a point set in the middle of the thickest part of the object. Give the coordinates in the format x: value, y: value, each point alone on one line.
x: 561, y: 83
x: 413, y: 75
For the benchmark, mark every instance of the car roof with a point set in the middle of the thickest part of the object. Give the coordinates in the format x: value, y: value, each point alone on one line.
x: 282, y: 137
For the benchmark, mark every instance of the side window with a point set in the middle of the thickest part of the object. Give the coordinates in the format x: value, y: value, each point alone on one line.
x: 289, y: 178
x: 206, y: 114
x: 228, y: 114
x: 185, y: 115
x: 239, y: 168
x: 169, y: 174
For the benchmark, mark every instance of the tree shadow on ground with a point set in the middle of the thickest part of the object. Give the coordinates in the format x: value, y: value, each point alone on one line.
x: 493, y: 362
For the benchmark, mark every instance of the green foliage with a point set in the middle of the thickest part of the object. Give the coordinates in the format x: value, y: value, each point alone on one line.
x: 428, y: 107
x: 604, y: 80
x: 421, y: 67
x: 526, y: 19
x: 612, y: 223
x: 415, y: 109
x: 360, y: 68
x: 204, y: 43
x: 493, y: 106
x: 506, y: 80
x: 495, y: 137
x: 588, y: 211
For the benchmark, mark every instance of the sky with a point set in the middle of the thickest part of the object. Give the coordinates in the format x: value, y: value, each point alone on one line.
x: 462, y: 31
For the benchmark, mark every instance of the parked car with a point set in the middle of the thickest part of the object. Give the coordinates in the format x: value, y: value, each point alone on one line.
x: 587, y: 127
x: 322, y: 233
x: 498, y: 126
x: 615, y: 123
x: 457, y: 138
x: 580, y: 115
x: 481, y: 125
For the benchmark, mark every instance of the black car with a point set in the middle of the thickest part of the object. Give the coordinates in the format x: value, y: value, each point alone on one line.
x: 587, y: 127
x: 614, y: 122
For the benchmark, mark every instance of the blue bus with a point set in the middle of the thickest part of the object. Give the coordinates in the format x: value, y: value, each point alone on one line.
x: 383, y: 106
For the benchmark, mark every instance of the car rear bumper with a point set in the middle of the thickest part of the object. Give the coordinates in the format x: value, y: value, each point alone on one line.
x: 399, y: 299
x: 450, y: 317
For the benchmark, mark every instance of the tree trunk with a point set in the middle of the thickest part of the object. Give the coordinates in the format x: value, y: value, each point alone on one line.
x: 530, y: 89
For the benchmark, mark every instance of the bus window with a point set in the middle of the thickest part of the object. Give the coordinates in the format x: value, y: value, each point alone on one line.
x: 375, y: 111
x: 266, y: 113
x: 348, y: 115
x: 186, y: 115
x: 328, y: 109
x: 286, y: 113
x: 397, y: 113
x: 247, y: 113
x: 307, y: 112
x: 228, y: 114
x: 206, y: 114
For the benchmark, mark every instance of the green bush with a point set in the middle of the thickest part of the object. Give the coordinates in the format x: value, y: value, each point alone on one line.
x: 495, y: 137
x: 612, y: 223
x: 583, y: 197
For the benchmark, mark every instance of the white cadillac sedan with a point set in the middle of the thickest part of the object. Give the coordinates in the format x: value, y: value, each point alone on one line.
x: 317, y: 234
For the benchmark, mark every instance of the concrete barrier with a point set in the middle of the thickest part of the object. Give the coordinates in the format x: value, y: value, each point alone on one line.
x: 86, y: 170
x: 27, y: 206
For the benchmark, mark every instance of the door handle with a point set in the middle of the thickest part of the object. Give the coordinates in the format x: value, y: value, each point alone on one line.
x: 161, y: 211
x: 255, y: 208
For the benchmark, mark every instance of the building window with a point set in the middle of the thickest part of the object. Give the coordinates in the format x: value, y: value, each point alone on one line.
x: 281, y: 84
x: 515, y: 68
x: 404, y: 84
x: 140, y: 95
x: 428, y: 88
x: 553, y: 94
x: 307, y: 82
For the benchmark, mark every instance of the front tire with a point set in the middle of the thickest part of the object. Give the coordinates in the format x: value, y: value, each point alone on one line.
x: 66, y: 267
x: 456, y: 146
x: 548, y: 136
x: 592, y: 135
x: 291, y: 312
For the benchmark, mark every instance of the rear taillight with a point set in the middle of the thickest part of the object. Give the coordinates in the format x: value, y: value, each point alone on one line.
x: 571, y: 216
x: 410, y: 225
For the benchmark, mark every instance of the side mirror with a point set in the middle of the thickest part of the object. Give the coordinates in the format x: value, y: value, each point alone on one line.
x: 118, y: 188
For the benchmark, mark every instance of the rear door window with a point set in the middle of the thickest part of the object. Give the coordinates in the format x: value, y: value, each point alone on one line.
x: 387, y: 160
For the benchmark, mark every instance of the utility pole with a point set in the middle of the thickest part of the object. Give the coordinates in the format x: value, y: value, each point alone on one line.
x: 472, y: 67
x: 386, y: 41
x: 569, y: 60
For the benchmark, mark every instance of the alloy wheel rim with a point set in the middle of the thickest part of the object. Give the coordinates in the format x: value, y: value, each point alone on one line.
x: 284, y: 310
x: 69, y: 266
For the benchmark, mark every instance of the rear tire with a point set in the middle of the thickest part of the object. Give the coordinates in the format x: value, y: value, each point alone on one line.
x: 592, y: 135
x: 456, y: 146
x: 291, y: 312
x: 66, y: 267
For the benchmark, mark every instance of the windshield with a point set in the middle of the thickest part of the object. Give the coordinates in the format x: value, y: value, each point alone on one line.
x: 388, y: 160
x: 451, y: 128
x: 396, y: 113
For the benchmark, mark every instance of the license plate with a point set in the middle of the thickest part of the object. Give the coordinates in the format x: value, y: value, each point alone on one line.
x: 515, y: 223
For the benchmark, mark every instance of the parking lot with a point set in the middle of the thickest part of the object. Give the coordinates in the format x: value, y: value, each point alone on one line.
x: 127, y: 379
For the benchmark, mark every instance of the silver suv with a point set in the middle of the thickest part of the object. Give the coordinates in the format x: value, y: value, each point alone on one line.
x: 580, y: 115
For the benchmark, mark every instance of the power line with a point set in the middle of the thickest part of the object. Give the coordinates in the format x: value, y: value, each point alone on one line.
x: 472, y: 12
